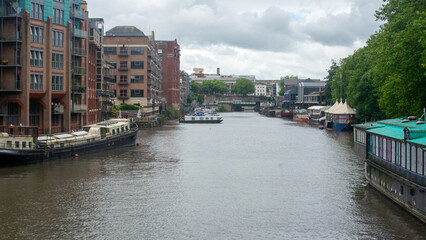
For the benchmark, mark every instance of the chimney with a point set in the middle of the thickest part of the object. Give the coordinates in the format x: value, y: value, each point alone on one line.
x: 218, y: 71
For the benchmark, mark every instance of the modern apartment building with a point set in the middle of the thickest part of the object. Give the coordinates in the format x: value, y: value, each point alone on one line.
x: 136, y: 67
x: 170, y: 83
x: 43, y: 70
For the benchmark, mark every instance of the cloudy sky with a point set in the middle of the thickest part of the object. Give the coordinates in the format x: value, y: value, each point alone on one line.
x: 265, y: 38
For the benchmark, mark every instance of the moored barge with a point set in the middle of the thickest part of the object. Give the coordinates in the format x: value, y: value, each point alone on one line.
x: 395, y: 153
x: 22, y: 145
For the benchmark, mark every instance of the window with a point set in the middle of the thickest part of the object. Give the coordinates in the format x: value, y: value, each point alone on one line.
x: 59, y: 1
x: 136, y: 50
x: 36, y: 11
x: 110, y: 50
x: 36, y: 81
x: 123, y: 64
x: 34, y: 114
x: 123, y: 79
x: 17, y: 144
x: 55, y: 119
x: 57, y: 60
x: 36, y: 58
x: 123, y: 92
x: 24, y: 144
x: 136, y: 93
x: 123, y: 51
x: 136, y: 79
x: 137, y: 64
x: 57, y: 82
x: 58, y: 16
x: 113, y: 65
x: 36, y: 34
x: 58, y: 38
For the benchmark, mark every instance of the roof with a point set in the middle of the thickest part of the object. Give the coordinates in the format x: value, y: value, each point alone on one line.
x: 316, y: 107
x: 395, y: 128
x: 125, y: 31
x: 341, y: 108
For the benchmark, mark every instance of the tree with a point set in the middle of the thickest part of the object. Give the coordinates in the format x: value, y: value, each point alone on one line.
x: 243, y: 86
x: 213, y: 87
x: 195, y: 87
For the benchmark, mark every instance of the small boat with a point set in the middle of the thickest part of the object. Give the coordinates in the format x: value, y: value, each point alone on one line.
x: 202, y: 117
x: 286, y: 114
x: 300, y: 115
x: 22, y: 145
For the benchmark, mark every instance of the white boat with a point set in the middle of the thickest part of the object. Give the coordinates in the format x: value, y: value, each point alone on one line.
x: 202, y: 117
x: 22, y: 145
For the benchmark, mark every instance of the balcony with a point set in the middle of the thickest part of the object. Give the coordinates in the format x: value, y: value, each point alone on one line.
x: 9, y: 12
x: 12, y: 38
x: 79, y: 70
x: 75, y: 108
x: 11, y: 62
x: 79, y: 52
x: 78, y: 89
x: 10, y: 86
x: 79, y: 33
x: 79, y: 14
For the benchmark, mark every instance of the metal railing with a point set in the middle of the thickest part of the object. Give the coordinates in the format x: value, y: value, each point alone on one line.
x: 79, y: 33
x: 79, y: 51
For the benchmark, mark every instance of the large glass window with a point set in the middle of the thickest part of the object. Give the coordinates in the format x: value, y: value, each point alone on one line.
x: 57, y: 60
x: 57, y: 82
x: 36, y: 81
x: 36, y: 58
x: 137, y: 64
x: 36, y: 34
x: 34, y: 114
x: 123, y: 64
x: 58, y: 38
x: 123, y: 78
x: 137, y: 50
x: 136, y: 79
x: 110, y: 50
x: 58, y: 16
x: 136, y: 93
x: 123, y: 92
x: 36, y: 11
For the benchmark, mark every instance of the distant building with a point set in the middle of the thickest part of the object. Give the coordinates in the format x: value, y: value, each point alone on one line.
x: 184, y: 87
x: 169, y: 52
x: 137, y: 68
x: 199, y: 76
x: 260, y: 89
x: 310, y: 93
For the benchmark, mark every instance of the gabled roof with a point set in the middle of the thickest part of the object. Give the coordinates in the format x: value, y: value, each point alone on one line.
x: 125, y: 31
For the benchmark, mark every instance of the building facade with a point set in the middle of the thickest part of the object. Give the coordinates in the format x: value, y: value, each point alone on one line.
x: 169, y: 52
x: 136, y: 67
x: 43, y: 51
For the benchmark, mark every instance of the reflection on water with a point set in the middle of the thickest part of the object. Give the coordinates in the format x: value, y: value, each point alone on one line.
x: 250, y: 177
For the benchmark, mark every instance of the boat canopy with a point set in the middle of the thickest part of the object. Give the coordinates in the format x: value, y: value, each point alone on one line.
x: 316, y: 107
x: 341, y: 108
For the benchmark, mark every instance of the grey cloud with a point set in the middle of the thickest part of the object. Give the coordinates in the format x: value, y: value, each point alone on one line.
x: 345, y: 28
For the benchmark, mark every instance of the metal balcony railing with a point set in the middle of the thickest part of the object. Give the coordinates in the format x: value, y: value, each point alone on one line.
x: 79, y: 33
x: 78, y: 107
x: 79, y: 51
x: 58, y: 109
x: 11, y: 62
x: 79, y: 14
x: 77, y: 89
x: 79, y: 70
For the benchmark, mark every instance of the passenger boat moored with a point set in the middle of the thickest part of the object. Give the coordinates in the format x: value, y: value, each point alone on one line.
x: 22, y: 145
x: 395, y: 153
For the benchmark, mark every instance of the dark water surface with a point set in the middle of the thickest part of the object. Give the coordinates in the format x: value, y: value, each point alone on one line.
x: 250, y: 177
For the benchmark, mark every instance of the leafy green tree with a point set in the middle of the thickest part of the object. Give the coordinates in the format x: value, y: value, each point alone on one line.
x: 243, y: 86
x: 195, y: 87
x: 401, y: 57
x: 328, y: 98
x: 213, y: 87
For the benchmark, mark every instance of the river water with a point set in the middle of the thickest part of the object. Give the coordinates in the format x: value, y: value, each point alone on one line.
x: 250, y: 177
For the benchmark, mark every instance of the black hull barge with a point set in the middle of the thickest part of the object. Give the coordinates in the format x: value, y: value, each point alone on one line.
x: 395, y: 154
x: 21, y: 145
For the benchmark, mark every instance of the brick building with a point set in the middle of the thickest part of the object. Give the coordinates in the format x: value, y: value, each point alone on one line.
x: 136, y: 67
x: 170, y: 55
x: 43, y: 52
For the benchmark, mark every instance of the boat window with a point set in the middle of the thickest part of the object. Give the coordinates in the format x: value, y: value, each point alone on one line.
x: 118, y: 130
x: 62, y: 144
x: 122, y: 129
x: 88, y: 140
x: 113, y: 131
x: 29, y: 144
x: 127, y: 128
x: 193, y: 118
x: 17, y: 144
x: 24, y: 144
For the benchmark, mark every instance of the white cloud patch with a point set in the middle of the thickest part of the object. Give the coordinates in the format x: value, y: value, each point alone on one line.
x: 269, y: 38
